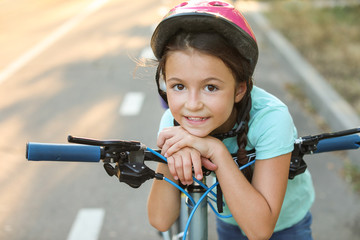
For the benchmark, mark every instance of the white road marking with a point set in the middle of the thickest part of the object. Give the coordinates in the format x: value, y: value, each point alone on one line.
x: 87, y: 224
x: 132, y: 103
x: 48, y: 41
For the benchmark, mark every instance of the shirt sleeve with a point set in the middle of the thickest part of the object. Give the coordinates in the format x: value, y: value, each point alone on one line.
x: 167, y: 120
x: 273, y: 133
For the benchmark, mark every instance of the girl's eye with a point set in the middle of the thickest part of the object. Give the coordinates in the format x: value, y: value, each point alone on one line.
x: 211, y: 88
x: 178, y: 87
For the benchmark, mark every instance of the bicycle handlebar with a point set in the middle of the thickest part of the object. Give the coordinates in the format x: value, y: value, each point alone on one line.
x: 129, y: 156
x: 89, y: 153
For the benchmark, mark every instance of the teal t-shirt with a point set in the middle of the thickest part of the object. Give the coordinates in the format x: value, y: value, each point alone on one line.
x: 271, y: 133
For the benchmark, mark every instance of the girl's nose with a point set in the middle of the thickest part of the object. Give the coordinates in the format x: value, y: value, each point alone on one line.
x: 194, y: 101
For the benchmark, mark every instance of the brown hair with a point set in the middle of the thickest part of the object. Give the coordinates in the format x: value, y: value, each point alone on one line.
x: 214, y: 44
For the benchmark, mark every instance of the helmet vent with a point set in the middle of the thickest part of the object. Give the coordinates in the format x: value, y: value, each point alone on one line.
x: 218, y: 4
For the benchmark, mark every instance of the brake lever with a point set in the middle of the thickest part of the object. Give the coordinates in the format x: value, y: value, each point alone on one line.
x: 128, y: 156
x: 119, y: 144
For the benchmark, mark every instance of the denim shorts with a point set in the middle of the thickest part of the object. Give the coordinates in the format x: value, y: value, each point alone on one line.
x: 299, y: 231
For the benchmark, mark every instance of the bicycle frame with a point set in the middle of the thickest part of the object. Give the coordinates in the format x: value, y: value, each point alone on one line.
x: 129, y: 158
x: 198, y: 228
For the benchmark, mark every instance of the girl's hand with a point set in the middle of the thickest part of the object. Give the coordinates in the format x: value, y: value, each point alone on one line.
x: 172, y: 139
x: 182, y: 163
x: 185, y: 151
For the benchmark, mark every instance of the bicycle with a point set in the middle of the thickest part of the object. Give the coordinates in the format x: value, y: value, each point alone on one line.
x: 126, y: 161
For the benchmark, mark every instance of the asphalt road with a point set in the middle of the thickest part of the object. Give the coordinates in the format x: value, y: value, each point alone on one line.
x: 75, y: 85
x: 69, y: 68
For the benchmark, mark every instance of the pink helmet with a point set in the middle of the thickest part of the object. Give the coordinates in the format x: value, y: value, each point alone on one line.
x: 202, y: 15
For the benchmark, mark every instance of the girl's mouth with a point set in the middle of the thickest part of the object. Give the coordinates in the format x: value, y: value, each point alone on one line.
x: 196, y: 119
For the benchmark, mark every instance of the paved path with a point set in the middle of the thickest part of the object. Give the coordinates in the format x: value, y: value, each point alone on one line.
x: 336, y: 211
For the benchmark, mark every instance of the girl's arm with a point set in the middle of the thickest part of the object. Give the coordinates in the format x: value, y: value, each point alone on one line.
x: 163, y: 202
x: 256, y: 206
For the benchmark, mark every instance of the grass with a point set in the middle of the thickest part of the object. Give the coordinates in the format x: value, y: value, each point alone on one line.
x: 351, y: 174
x: 296, y: 91
x: 329, y: 38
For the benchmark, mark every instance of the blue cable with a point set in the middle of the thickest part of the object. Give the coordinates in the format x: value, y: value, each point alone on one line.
x: 204, y: 186
x: 181, y: 189
x: 246, y: 165
x: 168, y: 180
x: 195, y: 207
x: 202, y: 198
x: 157, y: 154
x: 212, y: 199
x: 217, y: 213
x: 212, y: 207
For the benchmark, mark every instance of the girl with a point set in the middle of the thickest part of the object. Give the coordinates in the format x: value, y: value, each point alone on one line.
x: 207, y: 54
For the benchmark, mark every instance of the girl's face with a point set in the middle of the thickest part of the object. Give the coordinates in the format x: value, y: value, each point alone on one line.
x: 201, y: 92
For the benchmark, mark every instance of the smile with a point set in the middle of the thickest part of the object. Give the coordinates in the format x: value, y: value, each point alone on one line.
x: 196, y: 119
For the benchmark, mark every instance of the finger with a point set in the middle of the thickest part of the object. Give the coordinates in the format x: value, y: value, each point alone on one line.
x: 171, y: 166
x: 165, y: 134
x: 168, y: 133
x: 187, y: 168
x: 208, y: 164
x: 197, y: 164
x: 161, y: 139
x: 179, y: 168
x: 167, y: 144
x: 175, y: 144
